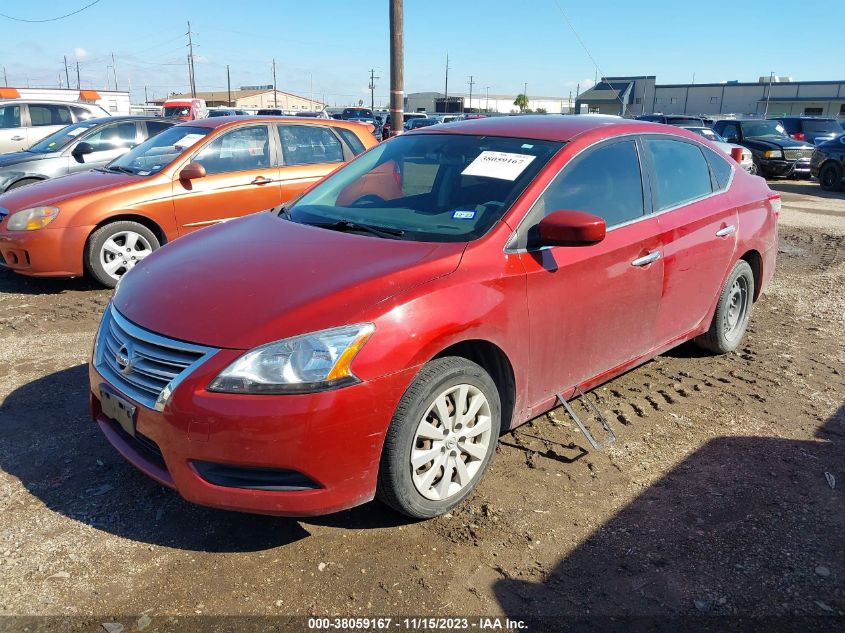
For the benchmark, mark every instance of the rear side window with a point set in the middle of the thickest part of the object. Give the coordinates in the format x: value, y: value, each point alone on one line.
x: 720, y: 167
x: 309, y: 145
x: 48, y: 114
x: 680, y: 172
x: 10, y: 116
x: 605, y: 181
x: 822, y: 126
x: 154, y: 127
x: 352, y: 141
x: 792, y: 125
x: 82, y: 114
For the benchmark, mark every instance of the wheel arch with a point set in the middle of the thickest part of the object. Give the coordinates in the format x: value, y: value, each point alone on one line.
x: 495, y: 362
x: 27, y: 178
x: 143, y: 220
x: 755, y: 260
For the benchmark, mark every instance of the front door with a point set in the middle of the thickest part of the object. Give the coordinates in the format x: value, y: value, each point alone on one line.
x: 12, y: 133
x: 242, y: 177
x: 593, y: 308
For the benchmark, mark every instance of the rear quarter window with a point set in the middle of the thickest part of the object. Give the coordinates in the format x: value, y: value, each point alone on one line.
x: 720, y: 167
x: 351, y: 140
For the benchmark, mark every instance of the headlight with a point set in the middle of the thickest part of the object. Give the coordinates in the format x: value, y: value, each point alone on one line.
x: 300, y: 364
x: 32, y: 219
x: 773, y: 153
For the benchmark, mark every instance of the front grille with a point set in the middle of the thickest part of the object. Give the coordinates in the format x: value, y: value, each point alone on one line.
x: 143, y: 365
x: 797, y: 154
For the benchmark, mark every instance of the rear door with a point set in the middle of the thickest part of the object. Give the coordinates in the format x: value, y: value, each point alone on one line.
x: 698, y: 229
x: 309, y: 153
x: 242, y: 177
x: 12, y: 132
x: 593, y: 308
x: 46, y: 118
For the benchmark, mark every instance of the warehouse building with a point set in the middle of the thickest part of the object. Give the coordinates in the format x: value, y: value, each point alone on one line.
x: 772, y: 96
x: 435, y: 102
x: 253, y: 99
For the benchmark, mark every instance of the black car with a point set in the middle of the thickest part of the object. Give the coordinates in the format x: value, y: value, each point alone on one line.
x: 812, y: 129
x: 828, y: 164
x: 271, y: 111
x: 775, y: 154
x: 680, y: 120
x: 356, y: 113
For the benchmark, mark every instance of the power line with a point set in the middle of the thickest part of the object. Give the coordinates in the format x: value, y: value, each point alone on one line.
x: 61, y: 17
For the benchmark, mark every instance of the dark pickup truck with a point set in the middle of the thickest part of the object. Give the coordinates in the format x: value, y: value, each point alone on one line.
x: 775, y: 154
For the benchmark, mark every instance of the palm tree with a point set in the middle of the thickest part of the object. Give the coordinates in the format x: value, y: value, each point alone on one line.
x: 521, y: 102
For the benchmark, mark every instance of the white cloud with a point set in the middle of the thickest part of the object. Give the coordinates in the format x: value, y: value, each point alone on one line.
x: 200, y: 59
x: 80, y: 53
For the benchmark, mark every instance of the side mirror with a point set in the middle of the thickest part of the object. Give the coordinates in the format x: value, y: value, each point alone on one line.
x: 82, y: 148
x: 570, y: 228
x: 192, y: 171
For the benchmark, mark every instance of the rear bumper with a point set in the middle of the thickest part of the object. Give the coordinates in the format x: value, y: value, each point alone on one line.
x: 333, y: 439
x: 46, y: 252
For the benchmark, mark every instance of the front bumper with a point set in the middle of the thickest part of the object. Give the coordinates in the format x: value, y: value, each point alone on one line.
x: 785, y: 168
x: 333, y: 439
x: 46, y: 252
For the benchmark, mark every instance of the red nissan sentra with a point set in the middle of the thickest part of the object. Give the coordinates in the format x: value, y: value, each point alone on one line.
x: 377, y: 335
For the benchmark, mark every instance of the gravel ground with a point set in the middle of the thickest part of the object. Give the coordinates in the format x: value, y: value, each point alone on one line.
x: 714, y: 500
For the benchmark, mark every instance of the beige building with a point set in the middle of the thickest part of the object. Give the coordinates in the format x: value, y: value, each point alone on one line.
x: 253, y: 100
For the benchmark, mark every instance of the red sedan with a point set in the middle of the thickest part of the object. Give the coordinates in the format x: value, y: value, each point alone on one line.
x: 376, y: 336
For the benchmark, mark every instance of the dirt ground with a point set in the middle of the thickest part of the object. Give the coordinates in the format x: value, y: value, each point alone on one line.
x: 714, y: 500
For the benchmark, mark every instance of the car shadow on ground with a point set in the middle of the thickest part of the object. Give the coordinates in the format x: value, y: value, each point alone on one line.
x: 59, y: 454
x: 21, y: 284
x: 805, y: 188
x: 744, y: 527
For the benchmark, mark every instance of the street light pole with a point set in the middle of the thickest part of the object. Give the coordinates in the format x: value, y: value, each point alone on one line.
x: 471, y: 83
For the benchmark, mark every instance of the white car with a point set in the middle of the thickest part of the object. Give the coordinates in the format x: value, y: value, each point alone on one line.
x: 24, y: 122
x: 747, y: 162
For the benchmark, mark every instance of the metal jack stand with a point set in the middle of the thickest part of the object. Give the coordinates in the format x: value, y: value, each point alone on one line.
x: 611, y: 436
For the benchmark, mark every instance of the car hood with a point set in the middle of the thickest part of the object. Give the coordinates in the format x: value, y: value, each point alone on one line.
x: 15, y: 158
x: 779, y: 143
x: 260, y: 279
x: 55, y: 190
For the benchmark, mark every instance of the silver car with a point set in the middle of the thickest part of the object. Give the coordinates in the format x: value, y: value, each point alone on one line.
x: 78, y: 147
x: 23, y: 122
x: 747, y: 161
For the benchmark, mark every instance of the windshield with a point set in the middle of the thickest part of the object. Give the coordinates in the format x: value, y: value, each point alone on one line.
x: 428, y: 187
x: 61, y: 139
x: 159, y: 151
x: 762, y: 129
x: 176, y: 111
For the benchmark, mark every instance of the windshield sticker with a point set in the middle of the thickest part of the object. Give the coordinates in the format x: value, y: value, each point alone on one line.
x: 501, y: 165
x: 463, y: 215
x: 526, y: 146
x: 144, y: 173
x: 188, y: 140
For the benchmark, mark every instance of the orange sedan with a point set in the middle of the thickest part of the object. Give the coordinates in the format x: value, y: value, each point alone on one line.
x: 103, y: 221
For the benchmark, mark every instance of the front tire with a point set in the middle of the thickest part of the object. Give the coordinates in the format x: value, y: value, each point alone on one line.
x: 830, y: 177
x: 114, y: 249
x: 732, y: 312
x: 441, y: 439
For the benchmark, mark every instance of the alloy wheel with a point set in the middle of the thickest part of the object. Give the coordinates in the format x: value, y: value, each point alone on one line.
x: 122, y: 251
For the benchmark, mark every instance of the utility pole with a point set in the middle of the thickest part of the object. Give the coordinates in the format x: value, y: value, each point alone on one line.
x: 78, y: 82
x: 6, y: 79
x: 191, y: 76
x: 471, y: 83
x: 228, y: 86
x: 67, y: 74
x: 397, y: 67
x: 446, y: 107
x: 487, y: 99
x: 275, y: 94
x: 373, y: 88
x: 769, y: 94
x: 310, y: 91
x: 146, y: 99
x: 114, y: 71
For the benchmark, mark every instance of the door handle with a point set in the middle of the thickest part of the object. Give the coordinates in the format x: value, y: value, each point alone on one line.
x: 645, y: 260
x: 726, y: 231
x: 261, y: 180
x: 17, y: 138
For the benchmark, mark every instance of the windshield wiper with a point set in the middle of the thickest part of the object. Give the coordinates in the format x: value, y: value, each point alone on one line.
x: 349, y: 225
x: 121, y: 169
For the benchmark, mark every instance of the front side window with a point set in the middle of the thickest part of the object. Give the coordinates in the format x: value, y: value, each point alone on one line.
x: 48, y: 114
x: 10, y: 116
x: 157, y: 152
x: 427, y: 187
x: 115, y: 136
x: 239, y: 150
x: 606, y: 181
x: 681, y: 173
x: 730, y: 131
x: 309, y: 145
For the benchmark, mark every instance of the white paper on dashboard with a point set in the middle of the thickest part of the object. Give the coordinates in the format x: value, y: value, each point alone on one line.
x: 502, y: 165
x: 188, y: 140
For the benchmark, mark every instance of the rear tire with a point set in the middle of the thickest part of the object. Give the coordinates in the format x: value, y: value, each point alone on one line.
x: 114, y: 249
x: 441, y: 439
x: 830, y: 177
x: 732, y: 312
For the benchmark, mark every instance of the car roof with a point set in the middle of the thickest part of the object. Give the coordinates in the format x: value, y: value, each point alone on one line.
x: 124, y: 117
x: 221, y: 121
x: 51, y: 102
x: 548, y: 127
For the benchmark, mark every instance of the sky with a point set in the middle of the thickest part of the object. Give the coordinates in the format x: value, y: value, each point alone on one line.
x: 326, y: 48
